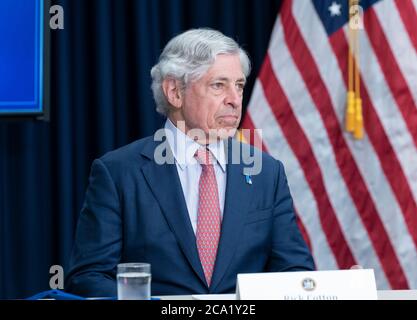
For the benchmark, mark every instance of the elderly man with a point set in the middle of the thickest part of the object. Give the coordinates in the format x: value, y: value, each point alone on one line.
x: 178, y: 200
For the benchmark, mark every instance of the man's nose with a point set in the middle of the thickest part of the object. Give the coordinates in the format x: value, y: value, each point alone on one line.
x: 233, y: 96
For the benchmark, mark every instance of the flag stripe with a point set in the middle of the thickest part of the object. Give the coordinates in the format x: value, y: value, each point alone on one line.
x: 367, y: 187
x: 309, y: 117
x: 409, y: 16
x: 403, y: 181
x: 356, y: 186
x: 406, y: 59
x: 392, y: 72
x: 380, y: 141
x: 303, y: 198
x: 365, y: 156
x: 300, y: 146
x: 399, y: 42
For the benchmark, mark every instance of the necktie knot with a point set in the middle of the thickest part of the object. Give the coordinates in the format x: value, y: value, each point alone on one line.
x: 204, y: 156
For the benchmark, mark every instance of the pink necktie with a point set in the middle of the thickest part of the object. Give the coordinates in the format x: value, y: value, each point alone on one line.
x: 208, y: 220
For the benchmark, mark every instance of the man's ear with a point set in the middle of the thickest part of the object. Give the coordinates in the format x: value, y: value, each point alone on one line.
x: 172, y: 91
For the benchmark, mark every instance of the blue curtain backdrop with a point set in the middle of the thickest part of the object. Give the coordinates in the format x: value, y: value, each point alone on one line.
x: 100, y: 100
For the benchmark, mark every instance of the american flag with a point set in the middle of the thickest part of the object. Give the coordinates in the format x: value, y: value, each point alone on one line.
x: 356, y: 200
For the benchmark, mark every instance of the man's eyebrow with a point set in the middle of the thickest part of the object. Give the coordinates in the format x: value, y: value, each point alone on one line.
x: 228, y: 79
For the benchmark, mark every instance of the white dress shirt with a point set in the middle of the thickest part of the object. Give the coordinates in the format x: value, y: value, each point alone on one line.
x: 189, y: 170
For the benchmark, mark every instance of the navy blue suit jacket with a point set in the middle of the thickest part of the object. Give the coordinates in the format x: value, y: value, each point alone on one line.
x: 135, y: 211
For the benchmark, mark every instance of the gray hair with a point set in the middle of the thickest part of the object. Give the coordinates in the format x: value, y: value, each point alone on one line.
x: 188, y: 56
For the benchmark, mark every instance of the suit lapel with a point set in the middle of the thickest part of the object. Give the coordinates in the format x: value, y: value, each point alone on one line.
x: 172, y: 202
x: 237, y: 200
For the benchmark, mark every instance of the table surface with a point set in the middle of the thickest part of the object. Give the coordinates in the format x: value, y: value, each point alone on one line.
x: 382, y: 295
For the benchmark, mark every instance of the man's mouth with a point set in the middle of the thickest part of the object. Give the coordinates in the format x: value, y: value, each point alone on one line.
x: 229, y: 118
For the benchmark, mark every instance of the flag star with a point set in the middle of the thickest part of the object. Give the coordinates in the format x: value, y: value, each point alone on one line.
x: 335, y: 9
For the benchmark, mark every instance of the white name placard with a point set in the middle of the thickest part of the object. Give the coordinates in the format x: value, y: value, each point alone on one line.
x: 357, y: 284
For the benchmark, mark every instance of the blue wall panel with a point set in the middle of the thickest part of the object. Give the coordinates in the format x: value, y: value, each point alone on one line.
x: 21, y: 56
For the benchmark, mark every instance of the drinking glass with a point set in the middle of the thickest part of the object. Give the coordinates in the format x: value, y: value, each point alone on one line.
x: 134, y: 281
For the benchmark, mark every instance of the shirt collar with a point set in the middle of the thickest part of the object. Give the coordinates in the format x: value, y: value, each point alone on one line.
x: 184, y: 148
